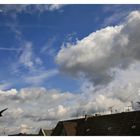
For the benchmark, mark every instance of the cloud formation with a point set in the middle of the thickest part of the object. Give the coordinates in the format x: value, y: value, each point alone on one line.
x: 109, y: 55
x: 116, y: 13
x: 27, y: 8
x: 32, y: 108
x: 97, y: 55
x: 27, y: 56
x: 40, y: 77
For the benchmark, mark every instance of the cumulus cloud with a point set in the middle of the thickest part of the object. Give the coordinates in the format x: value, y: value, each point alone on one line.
x: 109, y: 55
x: 32, y: 108
x: 96, y: 55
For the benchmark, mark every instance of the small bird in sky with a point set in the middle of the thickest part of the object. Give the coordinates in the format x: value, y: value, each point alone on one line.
x: 2, y: 112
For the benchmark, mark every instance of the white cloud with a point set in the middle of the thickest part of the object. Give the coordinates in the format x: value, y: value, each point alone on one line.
x: 9, y: 92
x: 61, y: 111
x: 48, y: 48
x: 42, y: 108
x: 53, y: 7
x: 24, y: 128
x: 27, y: 8
x: 33, y: 107
x: 97, y: 54
x: 116, y: 13
x: 27, y: 59
x: 112, y: 52
x: 26, y: 56
x: 40, y: 77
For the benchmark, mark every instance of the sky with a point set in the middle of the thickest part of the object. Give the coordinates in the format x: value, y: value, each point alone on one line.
x: 63, y: 61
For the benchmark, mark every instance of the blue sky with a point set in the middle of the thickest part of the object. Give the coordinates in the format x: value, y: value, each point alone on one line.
x: 62, y: 60
x: 47, y: 31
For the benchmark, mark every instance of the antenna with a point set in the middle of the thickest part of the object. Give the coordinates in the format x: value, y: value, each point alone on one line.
x: 77, y: 113
x: 84, y: 113
x: 132, y: 105
x: 138, y: 104
x: 129, y: 107
x: 111, y: 109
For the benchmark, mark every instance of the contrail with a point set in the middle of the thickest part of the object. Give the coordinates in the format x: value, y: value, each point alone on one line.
x: 10, y: 49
